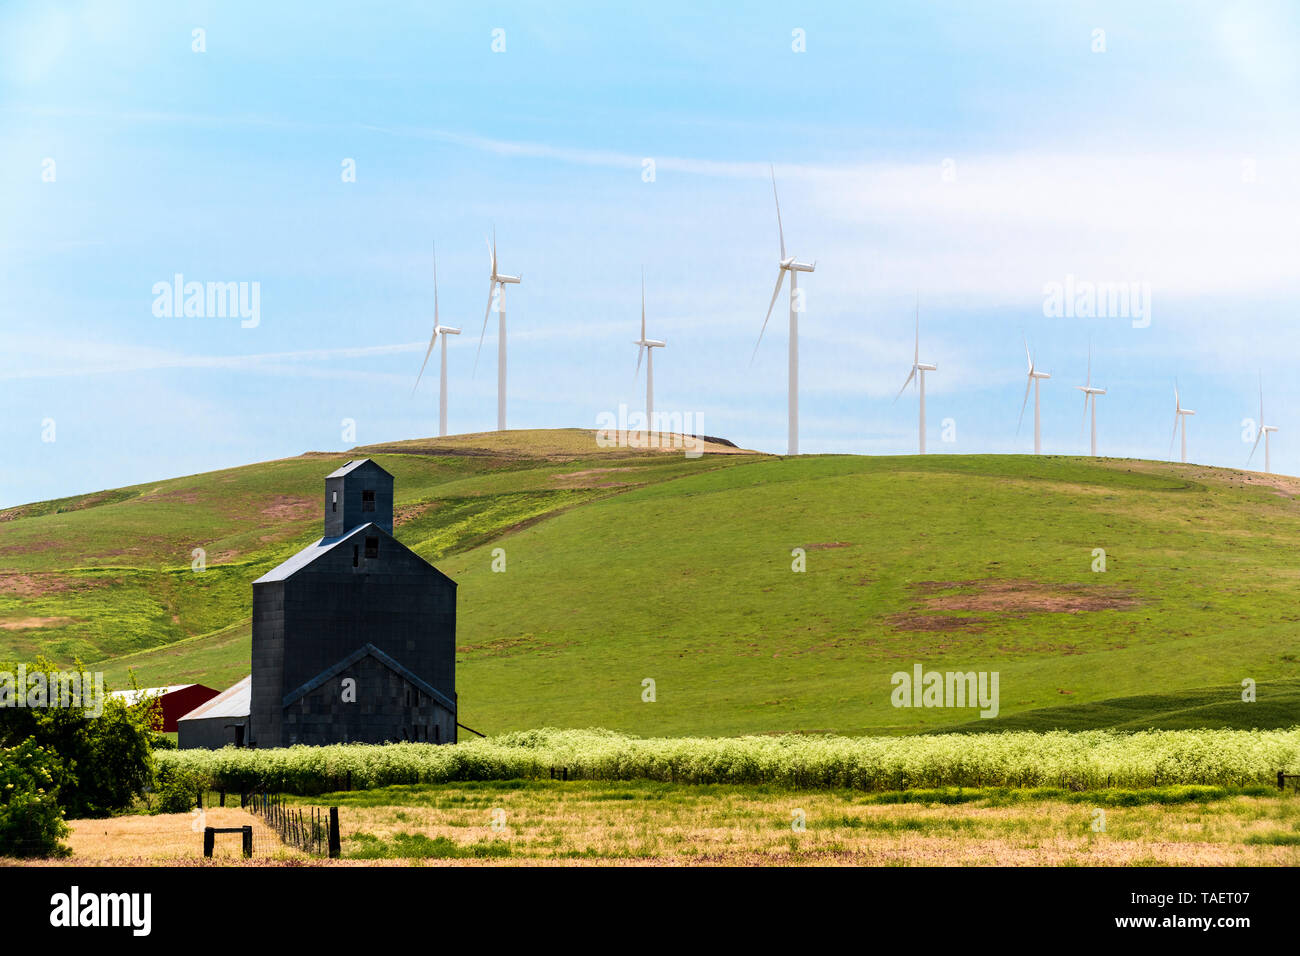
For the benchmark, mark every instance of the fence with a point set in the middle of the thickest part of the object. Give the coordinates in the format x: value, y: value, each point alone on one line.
x: 1282, y: 778
x: 310, y: 830
x: 215, y: 798
x: 210, y: 839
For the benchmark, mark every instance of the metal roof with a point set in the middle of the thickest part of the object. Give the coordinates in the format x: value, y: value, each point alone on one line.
x: 310, y: 553
x: 234, y: 701
x: 144, y: 693
x: 352, y: 466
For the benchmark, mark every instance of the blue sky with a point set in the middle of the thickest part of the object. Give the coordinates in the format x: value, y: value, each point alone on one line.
x: 972, y: 154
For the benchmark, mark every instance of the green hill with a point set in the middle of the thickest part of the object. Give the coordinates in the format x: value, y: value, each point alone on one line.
x: 625, y: 566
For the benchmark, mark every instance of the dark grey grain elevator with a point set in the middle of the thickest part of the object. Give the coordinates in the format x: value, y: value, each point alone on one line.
x: 354, y: 637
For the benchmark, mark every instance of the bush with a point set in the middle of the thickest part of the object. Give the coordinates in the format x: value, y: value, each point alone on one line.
x: 1088, y: 760
x: 103, y: 762
x: 31, y: 822
x: 177, y: 788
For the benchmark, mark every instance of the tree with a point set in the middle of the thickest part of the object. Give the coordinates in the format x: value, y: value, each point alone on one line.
x: 31, y: 821
x: 101, y: 760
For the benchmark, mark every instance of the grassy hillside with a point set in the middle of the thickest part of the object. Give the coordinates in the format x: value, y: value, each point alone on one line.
x: 110, y: 573
x: 623, y: 566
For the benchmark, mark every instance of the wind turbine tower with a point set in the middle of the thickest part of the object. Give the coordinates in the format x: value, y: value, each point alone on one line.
x: 497, y: 283
x: 646, y: 347
x: 439, y: 331
x: 1090, y: 393
x: 1180, y: 418
x: 1035, y: 376
x: 918, y: 371
x: 791, y: 265
x: 1263, y: 431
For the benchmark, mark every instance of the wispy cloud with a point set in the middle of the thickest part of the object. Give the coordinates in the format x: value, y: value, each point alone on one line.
x: 98, y: 358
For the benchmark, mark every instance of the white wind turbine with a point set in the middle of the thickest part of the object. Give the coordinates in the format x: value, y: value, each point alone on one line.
x: 794, y: 267
x: 444, y: 331
x: 497, y: 288
x: 1035, y: 376
x: 1263, y: 430
x: 1180, y: 418
x: 918, y: 367
x: 646, y: 347
x: 1090, y: 393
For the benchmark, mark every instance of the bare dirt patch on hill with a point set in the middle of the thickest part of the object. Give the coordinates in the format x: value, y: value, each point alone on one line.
x: 31, y: 623
x: 32, y: 585
x: 407, y: 513
x: 290, y: 508
x: 592, y: 478
x: 1002, y: 600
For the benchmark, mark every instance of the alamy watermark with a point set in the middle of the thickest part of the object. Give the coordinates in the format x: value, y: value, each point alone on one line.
x: 67, y: 689
x: 1084, y: 299
x: 923, y: 688
x: 208, y: 300
x: 667, y: 430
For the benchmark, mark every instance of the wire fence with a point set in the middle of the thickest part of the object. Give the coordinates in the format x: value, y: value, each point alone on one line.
x: 214, y: 827
x: 312, y: 830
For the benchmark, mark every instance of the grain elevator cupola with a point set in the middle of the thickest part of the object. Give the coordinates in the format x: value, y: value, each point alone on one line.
x: 355, y: 494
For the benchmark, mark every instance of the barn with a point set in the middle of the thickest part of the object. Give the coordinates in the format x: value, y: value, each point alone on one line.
x: 354, y: 637
x: 220, y: 721
x: 176, y: 700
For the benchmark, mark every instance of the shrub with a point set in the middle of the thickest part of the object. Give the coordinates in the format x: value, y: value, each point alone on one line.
x: 31, y: 822
x: 177, y: 787
x: 103, y: 762
x: 1088, y: 760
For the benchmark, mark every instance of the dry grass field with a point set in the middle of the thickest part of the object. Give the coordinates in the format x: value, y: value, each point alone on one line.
x: 171, y: 838
x: 651, y: 824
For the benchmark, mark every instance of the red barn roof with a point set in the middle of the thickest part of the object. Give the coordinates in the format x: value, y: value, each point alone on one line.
x: 176, y: 700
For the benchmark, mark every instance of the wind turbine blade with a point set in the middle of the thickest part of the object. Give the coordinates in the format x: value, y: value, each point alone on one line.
x: 1258, y: 435
x: 1174, y: 433
x: 492, y: 256
x: 483, y: 331
x: 910, y: 376
x: 433, y: 340
x: 780, y: 279
x: 916, y: 352
x: 642, y: 309
x: 1029, y: 357
x: 779, y: 229
x: 640, y: 352
x: 1084, y: 423
x: 427, y: 353
x: 1029, y: 383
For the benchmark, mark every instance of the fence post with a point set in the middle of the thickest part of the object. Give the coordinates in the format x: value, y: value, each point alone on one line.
x: 223, y: 797
x: 335, y: 842
x: 1281, y: 780
x: 248, y: 841
x: 209, y: 838
x: 199, y: 798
